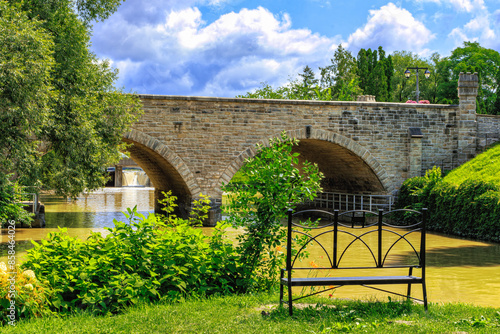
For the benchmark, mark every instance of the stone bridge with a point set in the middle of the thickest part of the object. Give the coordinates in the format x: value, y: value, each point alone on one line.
x: 193, y: 145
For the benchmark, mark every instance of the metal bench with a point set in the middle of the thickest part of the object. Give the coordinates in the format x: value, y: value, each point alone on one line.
x: 385, y: 242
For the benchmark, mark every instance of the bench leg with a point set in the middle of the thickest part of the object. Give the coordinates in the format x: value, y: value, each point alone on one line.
x: 281, y: 287
x: 424, y: 292
x: 281, y: 294
x: 408, y: 291
x: 290, y: 310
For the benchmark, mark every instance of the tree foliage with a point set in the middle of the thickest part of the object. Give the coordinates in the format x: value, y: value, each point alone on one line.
x: 341, y: 76
x: 472, y: 57
x: 373, y: 72
x: 62, y: 117
x: 273, y: 183
x: 376, y: 71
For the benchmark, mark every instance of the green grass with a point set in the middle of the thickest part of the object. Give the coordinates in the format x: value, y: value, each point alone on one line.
x: 253, y: 314
x: 484, y: 167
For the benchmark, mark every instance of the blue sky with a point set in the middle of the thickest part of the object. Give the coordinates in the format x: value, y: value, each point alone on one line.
x: 229, y: 47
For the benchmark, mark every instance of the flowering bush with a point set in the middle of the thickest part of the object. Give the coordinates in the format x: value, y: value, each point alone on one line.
x: 421, y: 101
x: 143, y: 260
x: 22, y: 295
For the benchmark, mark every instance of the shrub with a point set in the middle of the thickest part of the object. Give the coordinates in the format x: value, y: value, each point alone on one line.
x: 273, y: 184
x: 10, y: 206
x: 415, y: 191
x: 469, y: 209
x: 144, y: 260
x: 21, y: 292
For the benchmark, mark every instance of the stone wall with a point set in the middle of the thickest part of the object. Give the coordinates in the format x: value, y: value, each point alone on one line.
x: 213, y: 136
x: 488, y: 128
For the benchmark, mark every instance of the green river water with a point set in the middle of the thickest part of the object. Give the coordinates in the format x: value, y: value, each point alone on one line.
x: 458, y: 270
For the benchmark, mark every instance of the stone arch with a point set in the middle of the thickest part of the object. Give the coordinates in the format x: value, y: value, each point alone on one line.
x: 365, y: 161
x: 165, y: 169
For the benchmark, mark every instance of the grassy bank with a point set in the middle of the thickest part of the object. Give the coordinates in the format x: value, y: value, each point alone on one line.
x: 485, y: 167
x: 259, y: 314
x: 465, y: 203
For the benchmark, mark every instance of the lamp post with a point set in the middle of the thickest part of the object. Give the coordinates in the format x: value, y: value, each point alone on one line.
x: 426, y: 73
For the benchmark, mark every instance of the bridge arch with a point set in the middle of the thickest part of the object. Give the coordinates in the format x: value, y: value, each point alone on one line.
x: 165, y: 169
x: 348, y: 166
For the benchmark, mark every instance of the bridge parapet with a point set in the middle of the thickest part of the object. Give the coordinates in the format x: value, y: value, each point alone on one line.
x: 468, y: 85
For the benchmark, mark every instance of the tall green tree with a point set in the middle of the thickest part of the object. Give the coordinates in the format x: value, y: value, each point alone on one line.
x: 303, y: 88
x: 472, y: 57
x: 363, y: 67
x: 496, y: 105
x: 274, y: 182
x: 375, y: 71
x: 26, y: 61
x: 65, y: 117
x: 340, y: 76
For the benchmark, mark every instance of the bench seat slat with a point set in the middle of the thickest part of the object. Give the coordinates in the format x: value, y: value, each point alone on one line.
x: 323, y: 281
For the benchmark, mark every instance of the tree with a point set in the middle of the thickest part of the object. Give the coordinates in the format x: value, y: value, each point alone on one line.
x: 389, y: 73
x: 496, y: 106
x: 303, y: 88
x: 341, y: 76
x: 25, y: 64
x: 403, y: 88
x: 472, y: 57
x: 266, y: 92
x: 378, y: 82
x: 375, y: 71
x: 363, y: 67
x: 274, y: 183
x: 65, y: 117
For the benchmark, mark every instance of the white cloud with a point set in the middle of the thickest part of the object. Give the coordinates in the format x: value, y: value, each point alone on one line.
x: 392, y: 27
x: 478, y: 29
x: 467, y: 5
x: 460, y: 5
x: 182, y: 54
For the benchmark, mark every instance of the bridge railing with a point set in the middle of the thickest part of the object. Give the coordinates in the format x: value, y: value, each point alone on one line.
x: 347, y: 202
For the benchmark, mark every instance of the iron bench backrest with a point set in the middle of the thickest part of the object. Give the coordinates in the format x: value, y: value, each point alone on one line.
x: 378, y: 226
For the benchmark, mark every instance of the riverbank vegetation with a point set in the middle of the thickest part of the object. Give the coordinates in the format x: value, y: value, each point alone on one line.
x: 465, y: 202
x: 61, y: 118
x: 166, y: 258
x: 259, y: 313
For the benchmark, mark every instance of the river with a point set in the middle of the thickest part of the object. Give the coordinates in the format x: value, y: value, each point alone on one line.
x: 458, y: 270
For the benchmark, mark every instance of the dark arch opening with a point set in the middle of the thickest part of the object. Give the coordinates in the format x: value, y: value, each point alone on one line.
x: 162, y: 174
x: 344, y: 171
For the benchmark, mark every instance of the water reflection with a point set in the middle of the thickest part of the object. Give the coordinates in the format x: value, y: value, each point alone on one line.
x: 96, y: 209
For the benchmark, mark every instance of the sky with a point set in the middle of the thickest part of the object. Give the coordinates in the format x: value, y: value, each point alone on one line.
x: 225, y: 48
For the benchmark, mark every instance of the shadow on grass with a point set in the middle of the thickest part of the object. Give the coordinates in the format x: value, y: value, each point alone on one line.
x: 345, y: 311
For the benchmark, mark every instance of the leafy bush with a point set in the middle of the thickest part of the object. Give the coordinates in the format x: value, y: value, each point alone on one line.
x: 10, y: 206
x: 273, y: 184
x: 21, y: 292
x: 416, y: 189
x: 468, y: 209
x: 144, y: 260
